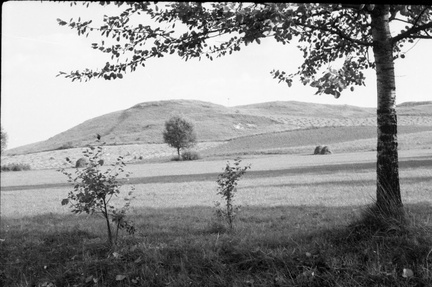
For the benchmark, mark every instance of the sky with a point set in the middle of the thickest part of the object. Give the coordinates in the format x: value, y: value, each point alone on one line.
x: 36, y: 105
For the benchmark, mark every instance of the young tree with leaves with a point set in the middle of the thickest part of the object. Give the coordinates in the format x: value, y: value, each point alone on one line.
x: 94, y: 190
x: 326, y: 33
x: 179, y: 133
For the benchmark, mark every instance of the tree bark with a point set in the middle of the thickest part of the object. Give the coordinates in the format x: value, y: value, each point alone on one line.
x: 388, y: 188
x: 105, y: 214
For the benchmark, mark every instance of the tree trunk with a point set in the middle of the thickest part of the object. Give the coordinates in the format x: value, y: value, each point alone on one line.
x: 105, y: 214
x: 178, y: 153
x: 388, y: 188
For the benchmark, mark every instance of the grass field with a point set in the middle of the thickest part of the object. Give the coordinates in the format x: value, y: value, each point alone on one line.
x: 298, y: 226
x: 340, y: 140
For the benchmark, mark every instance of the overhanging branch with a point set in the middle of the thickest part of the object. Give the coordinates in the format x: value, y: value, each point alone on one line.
x: 335, y: 32
x: 413, y: 30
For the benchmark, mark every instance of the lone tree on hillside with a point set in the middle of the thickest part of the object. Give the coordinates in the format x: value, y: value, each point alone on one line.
x: 179, y: 133
x: 4, y: 138
x: 325, y: 33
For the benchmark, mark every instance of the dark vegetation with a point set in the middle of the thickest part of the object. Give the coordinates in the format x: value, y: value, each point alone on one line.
x: 272, y: 246
x: 15, y: 167
x: 4, y: 139
x: 190, y: 155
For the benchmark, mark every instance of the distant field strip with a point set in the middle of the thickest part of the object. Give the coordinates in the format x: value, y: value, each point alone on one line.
x: 130, y: 153
x: 307, y: 137
x: 310, y: 186
x: 319, y: 169
x: 305, y: 122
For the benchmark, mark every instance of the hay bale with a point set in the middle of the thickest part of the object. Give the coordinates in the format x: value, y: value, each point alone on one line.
x: 325, y: 150
x: 318, y: 149
x: 82, y: 162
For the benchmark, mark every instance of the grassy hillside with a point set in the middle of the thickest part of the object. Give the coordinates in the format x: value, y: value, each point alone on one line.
x: 143, y: 123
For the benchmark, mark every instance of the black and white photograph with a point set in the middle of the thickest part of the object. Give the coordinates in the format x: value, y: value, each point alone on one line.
x: 216, y: 144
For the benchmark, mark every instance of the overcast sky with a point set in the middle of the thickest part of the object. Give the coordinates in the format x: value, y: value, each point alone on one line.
x: 36, y: 105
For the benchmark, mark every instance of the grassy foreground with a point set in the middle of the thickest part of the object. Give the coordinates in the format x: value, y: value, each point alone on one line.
x: 270, y: 246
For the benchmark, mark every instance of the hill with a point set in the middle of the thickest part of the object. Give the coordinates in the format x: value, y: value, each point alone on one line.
x: 144, y: 122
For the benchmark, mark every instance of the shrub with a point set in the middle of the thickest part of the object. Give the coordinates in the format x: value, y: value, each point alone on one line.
x: 94, y: 189
x: 190, y: 155
x: 15, y: 167
x: 227, y: 182
x: 4, y: 139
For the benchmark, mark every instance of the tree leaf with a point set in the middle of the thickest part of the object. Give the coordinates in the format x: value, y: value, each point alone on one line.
x: 120, y: 277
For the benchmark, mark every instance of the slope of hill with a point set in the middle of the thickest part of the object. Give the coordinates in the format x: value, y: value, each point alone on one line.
x: 144, y: 122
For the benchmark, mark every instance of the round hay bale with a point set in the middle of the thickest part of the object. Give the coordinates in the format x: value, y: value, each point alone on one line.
x: 318, y: 149
x: 82, y: 162
x: 325, y: 150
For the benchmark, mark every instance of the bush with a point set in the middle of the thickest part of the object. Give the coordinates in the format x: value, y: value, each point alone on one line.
x: 94, y: 188
x: 4, y: 139
x: 190, y: 155
x: 227, y: 188
x: 15, y: 167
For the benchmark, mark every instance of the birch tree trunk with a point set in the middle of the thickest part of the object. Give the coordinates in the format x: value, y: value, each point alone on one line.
x: 388, y: 188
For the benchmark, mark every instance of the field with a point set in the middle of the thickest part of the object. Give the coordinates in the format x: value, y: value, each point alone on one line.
x: 341, y: 139
x: 297, y: 227
x: 305, y: 220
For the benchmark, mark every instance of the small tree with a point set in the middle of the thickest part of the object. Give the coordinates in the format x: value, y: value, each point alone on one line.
x: 227, y: 182
x: 179, y: 133
x: 4, y: 138
x: 94, y: 190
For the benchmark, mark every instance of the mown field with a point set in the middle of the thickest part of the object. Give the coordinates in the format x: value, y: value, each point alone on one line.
x: 341, y: 139
x: 299, y: 225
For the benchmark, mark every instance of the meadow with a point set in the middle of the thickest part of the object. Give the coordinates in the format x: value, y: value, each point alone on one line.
x: 300, y: 224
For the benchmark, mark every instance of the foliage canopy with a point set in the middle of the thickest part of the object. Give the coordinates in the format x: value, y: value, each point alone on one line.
x: 325, y: 33
x: 179, y: 133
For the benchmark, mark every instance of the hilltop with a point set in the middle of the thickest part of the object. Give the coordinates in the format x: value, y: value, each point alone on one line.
x: 143, y: 123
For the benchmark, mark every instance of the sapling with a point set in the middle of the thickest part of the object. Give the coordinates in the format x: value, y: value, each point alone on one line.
x: 227, y: 182
x: 95, y: 188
